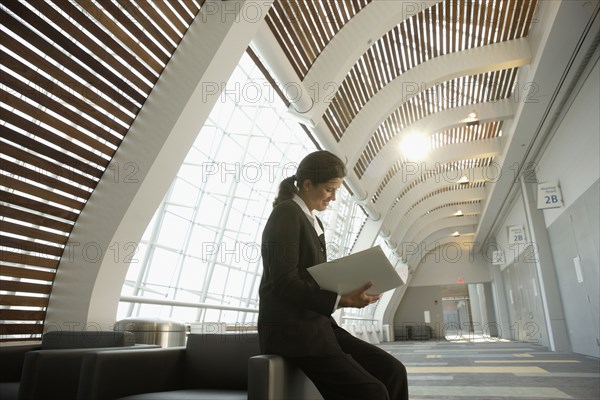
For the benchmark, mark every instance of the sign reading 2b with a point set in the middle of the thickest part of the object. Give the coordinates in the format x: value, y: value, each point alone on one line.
x: 549, y: 195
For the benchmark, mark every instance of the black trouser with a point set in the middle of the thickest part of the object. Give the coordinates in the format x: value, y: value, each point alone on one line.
x: 361, y: 372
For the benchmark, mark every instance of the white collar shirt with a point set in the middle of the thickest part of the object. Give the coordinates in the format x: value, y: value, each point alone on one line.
x: 311, y: 217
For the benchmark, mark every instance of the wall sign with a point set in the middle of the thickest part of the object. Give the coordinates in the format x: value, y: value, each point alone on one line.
x: 549, y: 195
x: 516, y: 234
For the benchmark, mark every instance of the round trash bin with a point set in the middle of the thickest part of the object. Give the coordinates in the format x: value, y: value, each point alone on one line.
x: 167, y: 333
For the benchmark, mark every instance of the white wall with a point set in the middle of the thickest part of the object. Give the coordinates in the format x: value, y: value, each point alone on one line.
x: 446, y: 264
x: 573, y: 157
x: 515, y: 217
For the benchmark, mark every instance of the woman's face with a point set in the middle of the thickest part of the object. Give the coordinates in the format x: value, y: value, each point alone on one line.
x: 317, y: 197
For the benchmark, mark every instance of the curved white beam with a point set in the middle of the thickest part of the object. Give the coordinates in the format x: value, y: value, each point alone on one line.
x: 440, y: 213
x: 428, y: 221
x: 440, y: 121
x: 452, y: 223
x: 350, y: 43
x: 493, y: 57
x: 433, y: 183
x: 437, y: 239
x: 455, y: 152
x: 399, y: 222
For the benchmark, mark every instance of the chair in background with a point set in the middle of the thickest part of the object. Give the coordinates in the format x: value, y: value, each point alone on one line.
x: 271, y: 377
x: 209, y: 367
x: 11, y: 365
x: 51, y: 369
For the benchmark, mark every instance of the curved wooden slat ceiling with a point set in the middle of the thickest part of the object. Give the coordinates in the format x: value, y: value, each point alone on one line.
x: 450, y: 27
x: 74, y: 76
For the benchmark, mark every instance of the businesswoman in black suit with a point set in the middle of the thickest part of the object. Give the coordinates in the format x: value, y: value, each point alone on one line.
x: 294, y: 317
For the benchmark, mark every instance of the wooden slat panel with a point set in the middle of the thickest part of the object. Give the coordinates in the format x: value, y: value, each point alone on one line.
x: 171, y: 16
x: 316, y: 12
x: 26, y: 273
x: 42, y: 178
x: 99, y: 15
x: 129, y: 59
x: 333, y: 14
x: 20, y: 329
x: 24, y: 259
x: 192, y: 6
x: 37, y: 206
x: 75, y: 168
x: 86, y: 92
x: 58, y: 18
x: 279, y: 32
x: 57, y: 124
x: 24, y: 301
x: 148, y: 26
x: 182, y: 12
x: 532, y: 7
x: 64, y: 42
x: 30, y: 189
x: 33, y: 233
x: 22, y: 315
x: 54, y: 89
x: 52, y: 105
x: 26, y: 287
x: 174, y: 35
x: 132, y: 27
x: 295, y: 40
x: 315, y: 42
x: 42, y: 133
x: 29, y: 246
x: 45, y: 165
x: 34, y: 219
x: 323, y: 19
x: 63, y: 59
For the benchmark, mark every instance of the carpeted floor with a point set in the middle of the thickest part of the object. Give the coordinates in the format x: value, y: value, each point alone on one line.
x: 493, y: 370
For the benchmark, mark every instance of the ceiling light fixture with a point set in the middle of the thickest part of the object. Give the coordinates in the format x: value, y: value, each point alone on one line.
x: 414, y: 146
x: 455, y: 234
x: 472, y: 115
x: 459, y: 213
x: 463, y: 180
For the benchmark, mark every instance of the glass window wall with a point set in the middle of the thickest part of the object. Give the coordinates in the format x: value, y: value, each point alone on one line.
x: 203, y: 244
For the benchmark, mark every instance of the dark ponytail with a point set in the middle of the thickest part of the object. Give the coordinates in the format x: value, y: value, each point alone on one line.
x: 319, y: 167
x: 287, y: 189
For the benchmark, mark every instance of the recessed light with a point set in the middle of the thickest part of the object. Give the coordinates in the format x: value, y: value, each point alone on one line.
x: 472, y: 115
x: 459, y: 213
x: 463, y: 180
x: 414, y: 146
x: 455, y: 234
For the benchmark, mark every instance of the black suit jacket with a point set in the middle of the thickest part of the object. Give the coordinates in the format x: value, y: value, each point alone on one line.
x: 294, y: 313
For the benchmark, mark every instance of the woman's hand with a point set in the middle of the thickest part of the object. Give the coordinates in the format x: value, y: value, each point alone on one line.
x: 359, y: 298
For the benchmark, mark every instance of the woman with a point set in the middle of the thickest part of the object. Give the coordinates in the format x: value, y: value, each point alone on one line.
x: 294, y: 317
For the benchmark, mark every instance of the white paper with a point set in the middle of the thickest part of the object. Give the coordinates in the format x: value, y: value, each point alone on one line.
x: 351, y: 272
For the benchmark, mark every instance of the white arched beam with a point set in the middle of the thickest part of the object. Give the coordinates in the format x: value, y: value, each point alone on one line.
x: 102, y: 244
x: 440, y: 121
x: 398, y: 222
x: 443, y: 212
x: 431, y: 184
x: 429, y: 222
x: 450, y: 223
x: 493, y: 57
x: 349, y: 44
x: 436, y: 240
x: 454, y: 152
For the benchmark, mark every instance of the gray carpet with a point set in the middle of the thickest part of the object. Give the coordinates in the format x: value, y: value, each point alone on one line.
x: 495, y: 370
